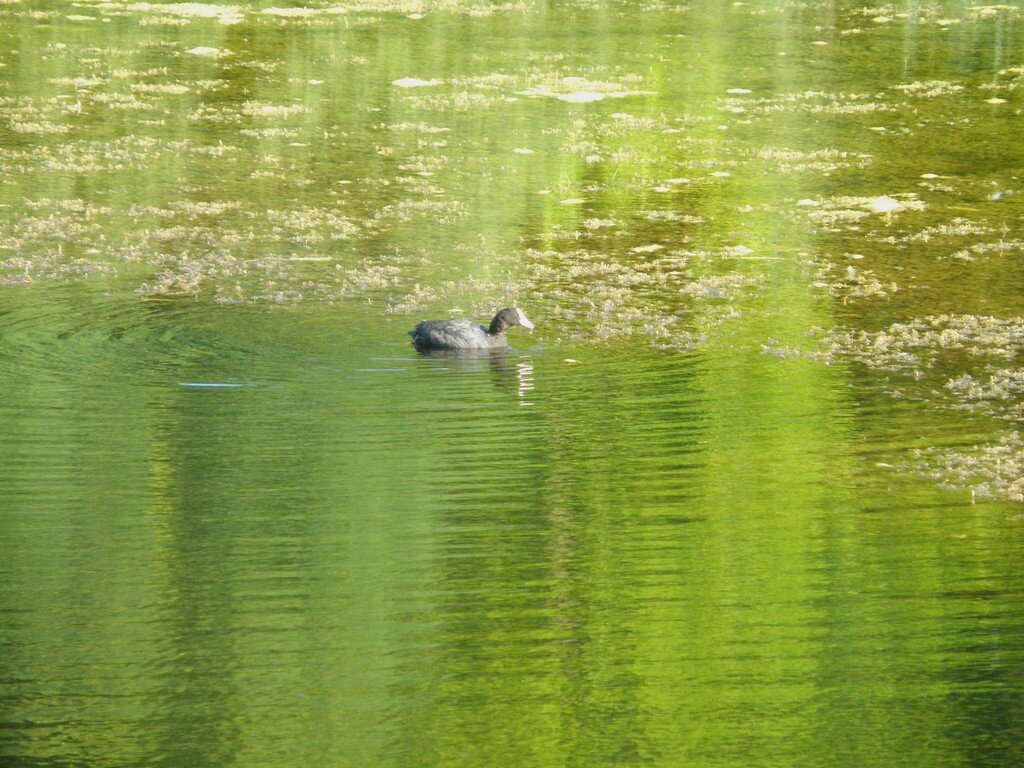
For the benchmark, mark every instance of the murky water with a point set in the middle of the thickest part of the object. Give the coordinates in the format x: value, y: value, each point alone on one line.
x: 750, y: 495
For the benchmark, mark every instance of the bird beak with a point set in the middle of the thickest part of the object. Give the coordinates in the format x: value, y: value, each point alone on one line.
x: 523, y: 321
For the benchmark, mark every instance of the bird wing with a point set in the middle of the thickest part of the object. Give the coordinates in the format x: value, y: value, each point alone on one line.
x: 449, y: 334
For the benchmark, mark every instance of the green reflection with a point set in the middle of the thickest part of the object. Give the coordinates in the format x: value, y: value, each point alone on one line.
x: 242, y: 522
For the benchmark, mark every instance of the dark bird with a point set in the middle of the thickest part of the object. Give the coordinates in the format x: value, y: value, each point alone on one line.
x: 465, y: 334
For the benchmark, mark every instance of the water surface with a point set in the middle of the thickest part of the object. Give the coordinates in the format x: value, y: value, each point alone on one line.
x: 750, y: 495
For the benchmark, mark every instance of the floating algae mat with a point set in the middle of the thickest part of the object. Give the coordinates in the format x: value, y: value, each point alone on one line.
x: 749, y: 494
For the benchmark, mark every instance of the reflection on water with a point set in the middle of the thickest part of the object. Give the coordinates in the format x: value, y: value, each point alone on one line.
x: 524, y: 378
x: 508, y: 370
x: 717, y: 510
x: 366, y: 555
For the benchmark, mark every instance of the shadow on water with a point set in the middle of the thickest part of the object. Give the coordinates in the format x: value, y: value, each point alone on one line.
x: 510, y: 371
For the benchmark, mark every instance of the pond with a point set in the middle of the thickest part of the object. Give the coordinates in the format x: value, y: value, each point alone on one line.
x: 749, y: 495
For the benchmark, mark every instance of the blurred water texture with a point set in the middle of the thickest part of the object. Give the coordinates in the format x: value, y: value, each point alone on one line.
x: 748, y: 497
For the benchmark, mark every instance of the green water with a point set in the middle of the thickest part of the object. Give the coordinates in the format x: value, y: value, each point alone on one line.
x: 749, y: 495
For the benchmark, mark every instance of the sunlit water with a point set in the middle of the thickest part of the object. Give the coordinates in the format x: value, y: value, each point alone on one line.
x: 749, y: 496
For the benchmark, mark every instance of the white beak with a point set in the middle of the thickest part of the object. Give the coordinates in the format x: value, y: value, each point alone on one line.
x: 523, y: 321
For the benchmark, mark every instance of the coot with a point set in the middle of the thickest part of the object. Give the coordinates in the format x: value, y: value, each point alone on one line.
x: 465, y: 334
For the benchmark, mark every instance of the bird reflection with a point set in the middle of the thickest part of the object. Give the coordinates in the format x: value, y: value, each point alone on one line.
x: 524, y: 375
x: 514, y: 375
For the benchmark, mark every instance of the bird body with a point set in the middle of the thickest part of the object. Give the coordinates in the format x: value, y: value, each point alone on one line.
x: 465, y: 334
